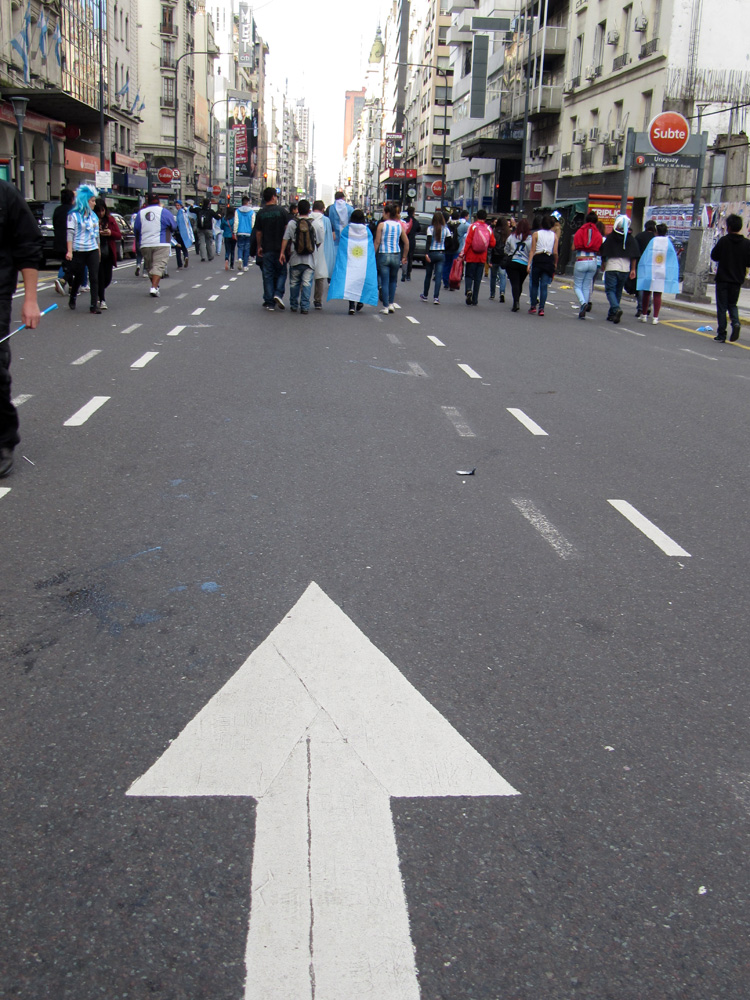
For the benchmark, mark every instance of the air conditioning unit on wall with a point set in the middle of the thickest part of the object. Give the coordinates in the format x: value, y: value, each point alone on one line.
x: 579, y: 137
x: 613, y: 37
x: 590, y: 72
x: 641, y: 24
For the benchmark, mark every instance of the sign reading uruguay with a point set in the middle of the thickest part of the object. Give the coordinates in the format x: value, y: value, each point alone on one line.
x: 354, y: 274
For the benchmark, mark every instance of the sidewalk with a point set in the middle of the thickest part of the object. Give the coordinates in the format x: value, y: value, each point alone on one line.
x: 697, y: 309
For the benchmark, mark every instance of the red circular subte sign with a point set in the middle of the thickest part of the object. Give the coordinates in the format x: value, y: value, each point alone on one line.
x: 669, y: 132
x: 165, y: 175
x: 437, y: 188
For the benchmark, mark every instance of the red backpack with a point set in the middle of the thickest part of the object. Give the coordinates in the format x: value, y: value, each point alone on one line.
x: 480, y: 238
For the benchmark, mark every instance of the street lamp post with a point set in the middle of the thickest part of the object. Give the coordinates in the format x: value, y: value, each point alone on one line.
x: 19, y: 110
x: 179, y: 59
x: 440, y: 71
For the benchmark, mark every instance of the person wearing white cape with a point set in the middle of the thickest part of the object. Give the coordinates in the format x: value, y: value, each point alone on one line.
x: 325, y: 252
x: 355, y: 276
x: 658, y: 272
x: 340, y: 214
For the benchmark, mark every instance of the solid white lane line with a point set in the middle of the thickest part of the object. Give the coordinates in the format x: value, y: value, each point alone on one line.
x: 393, y: 338
x: 527, y: 422
x: 458, y: 421
x: 161, y: 309
x: 212, y: 298
x: 85, y: 357
x: 436, y: 342
x: 417, y: 369
x: 197, y: 312
x: 175, y: 331
x: 82, y: 415
x: 20, y: 400
x: 668, y: 545
x: 4, y: 491
x: 469, y: 371
x: 144, y: 359
x: 413, y: 320
x: 546, y: 529
x: 130, y: 329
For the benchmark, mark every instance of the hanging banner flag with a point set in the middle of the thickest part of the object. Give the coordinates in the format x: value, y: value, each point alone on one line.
x: 246, y: 56
x: 242, y: 124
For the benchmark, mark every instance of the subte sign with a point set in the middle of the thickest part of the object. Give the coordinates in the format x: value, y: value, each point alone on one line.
x: 669, y: 133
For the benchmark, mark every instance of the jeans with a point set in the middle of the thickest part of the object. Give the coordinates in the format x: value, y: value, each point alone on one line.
x: 614, y: 282
x: 583, y: 280
x: 435, y: 263
x: 229, y: 246
x: 300, y: 276
x: 204, y: 239
x: 450, y: 256
x: 497, y: 277
x: 388, y: 265
x: 274, y: 277
x: 538, y: 285
x: 243, y: 248
x: 727, y: 295
x: 473, y: 273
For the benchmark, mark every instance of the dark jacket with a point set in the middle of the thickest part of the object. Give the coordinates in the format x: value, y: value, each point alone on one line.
x: 270, y: 223
x: 206, y: 218
x: 60, y: 226
x: 615, y: 246
x: 413, y: 233
x: 20, y: 239
x: 732, y: 254
x: 643, y: 239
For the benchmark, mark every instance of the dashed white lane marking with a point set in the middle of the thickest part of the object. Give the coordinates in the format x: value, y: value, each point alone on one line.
x: 20, y: 400
x: 458, y: 421
x: 85, y: 357
x: 546, y: 529
x: 393, y: 338
x: 636, y: 333
x: 668, y: 545
x: 130, y: 329
x: 698, y: 354
x: 175, y: 331
x: 413, y: 320
x: 527, y: 422
x: 161, y: 309
x: 212, y: 298
x: 4, y: 491
x: 182, y: 296
x: 224, y: 287
x: 197, y: 312
x: 469, y: 371
x: 82, y: 415
x: 417, y: 369
x: 232, y: 279
x: 208, y: 277
x: 435, y: 340
x: 198, y: 285
x: 144, y: 359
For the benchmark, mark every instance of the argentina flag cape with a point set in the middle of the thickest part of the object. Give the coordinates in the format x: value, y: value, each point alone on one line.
x: 186, y: 230
x: 658, y: 268
x: 354, y: 274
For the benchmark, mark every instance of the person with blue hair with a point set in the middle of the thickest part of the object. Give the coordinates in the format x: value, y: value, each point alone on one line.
x: 83, y: 245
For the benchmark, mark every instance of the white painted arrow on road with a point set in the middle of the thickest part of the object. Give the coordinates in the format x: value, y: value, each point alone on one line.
x: 322, y: 729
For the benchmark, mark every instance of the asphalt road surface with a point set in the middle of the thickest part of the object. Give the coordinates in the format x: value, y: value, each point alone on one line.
x: 575, y: 611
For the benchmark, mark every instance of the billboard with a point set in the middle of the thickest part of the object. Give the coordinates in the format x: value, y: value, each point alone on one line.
x: 246, y: 56
x: 242, y: 124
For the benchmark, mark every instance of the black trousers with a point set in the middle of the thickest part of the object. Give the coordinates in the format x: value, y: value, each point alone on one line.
x: 8, y: 414
x: 105, y: 274
x: 727, y: 296
x: 516, y: 276
x: 89, y: 259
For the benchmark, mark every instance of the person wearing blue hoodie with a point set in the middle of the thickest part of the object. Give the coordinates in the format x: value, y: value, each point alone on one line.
x: 244, y: 220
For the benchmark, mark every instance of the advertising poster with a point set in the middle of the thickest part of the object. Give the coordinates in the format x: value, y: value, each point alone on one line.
x: 242, y: 122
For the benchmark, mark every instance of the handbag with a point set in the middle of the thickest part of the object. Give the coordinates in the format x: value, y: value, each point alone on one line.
x: 456, y: 274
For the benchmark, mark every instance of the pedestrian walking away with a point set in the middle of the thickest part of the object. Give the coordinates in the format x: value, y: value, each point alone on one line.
x: 542, y: 263
x: 451, y: 246
x: 340, y: 212
x: 230, y: 240
x: 412, y: 230
x: 354, y: 277
x: 60, y: 245
x: 391, y: 251
x: 643, y: 239
x: 270, y: 226
x: 183, y: 236
x: 732, y: 255
x: 587, y: 243
x: 153, y: 227
x: 205, y: 232
x: 20, y: 250
x: 478, y: 242
x: 435, y: 258
x: 242, y: 228
x: 325, y: 253
x: 517, y: 250
x: 298, y: 246
x: 619, y: 252
x: 109, y: 240
x: 498, y: 274
x: 83, y: 246
x: 658, y: 272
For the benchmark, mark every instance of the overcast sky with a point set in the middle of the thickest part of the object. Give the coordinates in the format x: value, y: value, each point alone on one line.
x: 304, y: 38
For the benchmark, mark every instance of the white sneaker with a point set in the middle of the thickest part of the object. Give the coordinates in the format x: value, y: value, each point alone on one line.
x: 102, y: 304
x: 60, y: 286
x: 386, y: 311
x: 392, y: 307
x: 655, y: 320
x: 154, y: 291
x: 395, y: 305
x: 239, y: 268
x: 643, y: 319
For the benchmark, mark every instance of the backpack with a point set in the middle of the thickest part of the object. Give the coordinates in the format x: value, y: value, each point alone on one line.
x: 480, y: 238
x: 451, y: 238
x: 304, y: 237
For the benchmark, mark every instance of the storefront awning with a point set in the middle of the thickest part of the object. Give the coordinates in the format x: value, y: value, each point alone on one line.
x: 577, y: 206
x: 55, y: 103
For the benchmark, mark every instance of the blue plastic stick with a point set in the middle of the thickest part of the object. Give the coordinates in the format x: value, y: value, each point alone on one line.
x: 23, y: 325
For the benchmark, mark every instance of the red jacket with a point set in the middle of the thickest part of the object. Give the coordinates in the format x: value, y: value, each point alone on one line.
x: 588, y: 238
x: 471, y: 256
x: 114, y: 236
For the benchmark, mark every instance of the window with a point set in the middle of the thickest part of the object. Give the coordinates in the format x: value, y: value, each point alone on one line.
x: 443, y: 34
x: 127, y: 32
x: 627, y: 18
x: 167, y: 91
x: 648, y: 100
x: 577, y: 62
x: 618, y: 114
x: 466, y: 61
x: 599, y: 37
x: 114, y: 23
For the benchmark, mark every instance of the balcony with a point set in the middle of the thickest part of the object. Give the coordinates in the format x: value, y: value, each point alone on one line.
x: 167, y: 62
x: 167, y: 102
x: 168, y: 28
x: 611, y: 154
x: 544, y: 100
x: 649, y: 49
x: 555, y: 41
x: 456, y: 6
x: 587, y: 159
x: 620, y: 62
x: 566, y: 162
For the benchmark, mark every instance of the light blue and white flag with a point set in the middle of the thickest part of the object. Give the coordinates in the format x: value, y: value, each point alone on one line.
x: 43, y: 29
x: 124, y: 89
x: 141, y: 106
x: 355, y: 275
x: 658, y: 268
x: 21, y: 43
x: 57, y: 39
x: 135, y: 102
